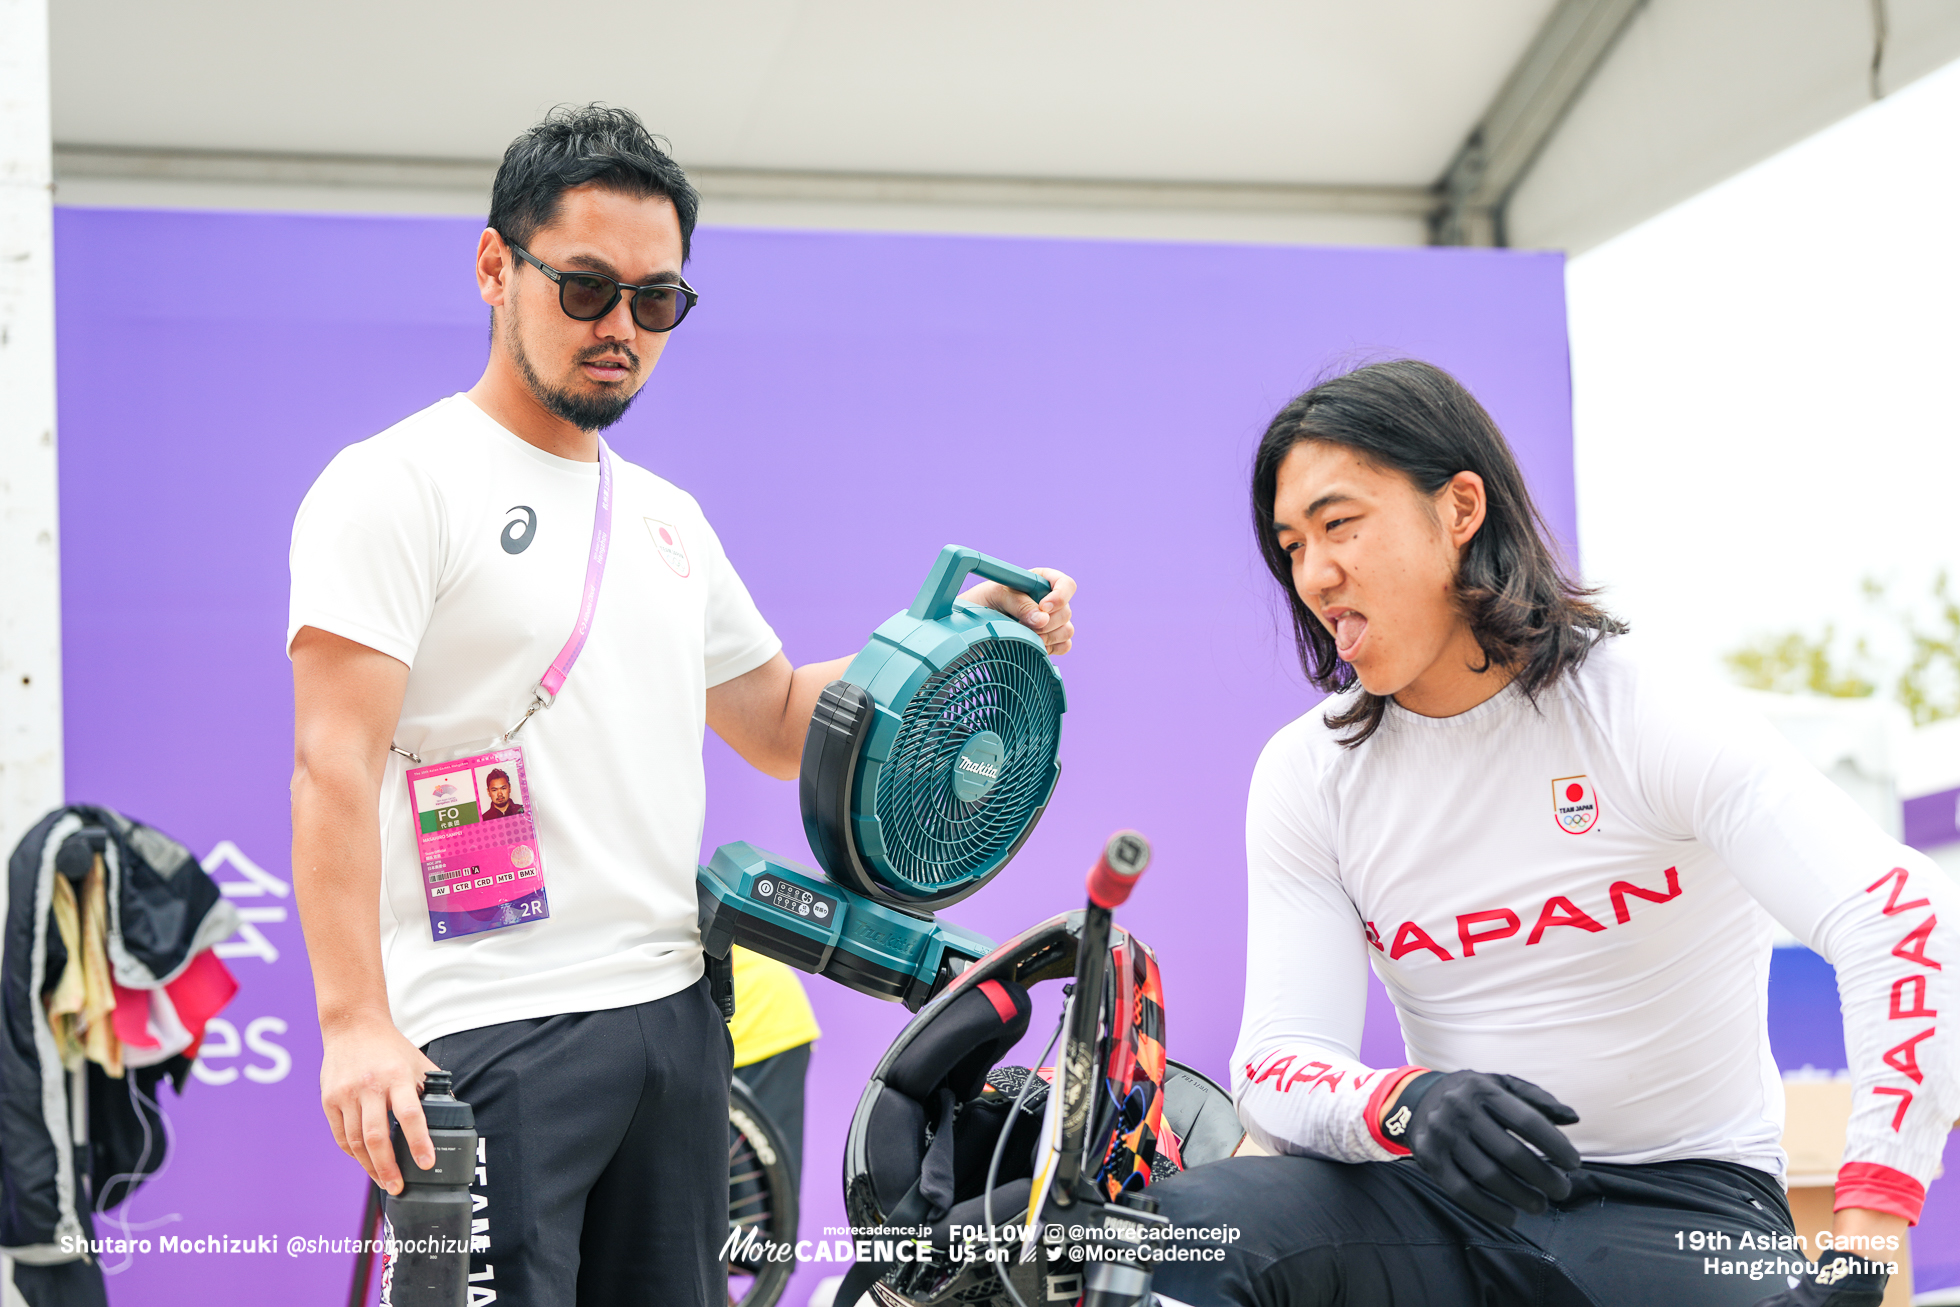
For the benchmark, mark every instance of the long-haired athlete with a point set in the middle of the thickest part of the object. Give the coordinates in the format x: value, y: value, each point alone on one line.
x: 1567, y: 872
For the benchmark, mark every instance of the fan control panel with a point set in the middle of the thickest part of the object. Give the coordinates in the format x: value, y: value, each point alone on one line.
x: 792, y: 913
x: 791, y: 897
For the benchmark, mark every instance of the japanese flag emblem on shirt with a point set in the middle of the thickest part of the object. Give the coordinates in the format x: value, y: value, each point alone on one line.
x: 1575, y: 803
x: 667, y: 539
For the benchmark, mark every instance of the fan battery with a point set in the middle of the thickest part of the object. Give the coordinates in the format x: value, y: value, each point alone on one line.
x: 793, y: 913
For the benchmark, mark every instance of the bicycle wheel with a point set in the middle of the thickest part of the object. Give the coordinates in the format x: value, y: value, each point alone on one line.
x: 761, y: 1204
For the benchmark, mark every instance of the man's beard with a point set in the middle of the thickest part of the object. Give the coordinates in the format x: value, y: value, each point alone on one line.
x: 586, y: 412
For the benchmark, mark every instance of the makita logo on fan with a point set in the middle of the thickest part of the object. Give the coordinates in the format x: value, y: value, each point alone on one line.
x: 987, y: 769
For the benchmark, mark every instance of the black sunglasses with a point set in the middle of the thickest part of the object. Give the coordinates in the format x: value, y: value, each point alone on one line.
x: 589, y: 296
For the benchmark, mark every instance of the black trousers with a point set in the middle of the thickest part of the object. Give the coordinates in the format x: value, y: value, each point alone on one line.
x: 1316, y: 1233
x: 604, y: 1160
x: 777, y: 1082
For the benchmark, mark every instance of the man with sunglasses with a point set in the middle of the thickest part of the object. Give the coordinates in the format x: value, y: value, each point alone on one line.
x: 438, y: 570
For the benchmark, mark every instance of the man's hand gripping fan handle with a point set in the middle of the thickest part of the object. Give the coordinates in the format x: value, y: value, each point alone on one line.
x: 1480, y: 1136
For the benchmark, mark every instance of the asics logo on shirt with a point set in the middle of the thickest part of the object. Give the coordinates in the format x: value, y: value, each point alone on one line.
x: 517, y: 536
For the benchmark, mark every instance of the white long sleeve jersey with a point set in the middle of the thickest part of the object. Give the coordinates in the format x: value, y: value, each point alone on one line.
x: 1580, y: 892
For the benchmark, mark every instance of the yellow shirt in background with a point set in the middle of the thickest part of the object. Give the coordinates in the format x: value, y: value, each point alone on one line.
x: 772, y: 1013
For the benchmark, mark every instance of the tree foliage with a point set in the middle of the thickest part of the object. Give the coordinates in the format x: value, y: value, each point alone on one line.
x: 1796, y: 662
x: 1929, y: 687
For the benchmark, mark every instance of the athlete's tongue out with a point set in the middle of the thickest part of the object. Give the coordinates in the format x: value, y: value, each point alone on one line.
x: 1347, y: 632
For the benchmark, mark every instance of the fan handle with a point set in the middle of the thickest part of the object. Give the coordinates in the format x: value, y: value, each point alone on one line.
x: 949, y: 572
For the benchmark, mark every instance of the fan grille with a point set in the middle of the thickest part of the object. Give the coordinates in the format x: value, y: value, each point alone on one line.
x: 932, y: 839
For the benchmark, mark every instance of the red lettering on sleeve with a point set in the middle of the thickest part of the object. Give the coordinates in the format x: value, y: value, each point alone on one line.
x: 1310, y: 1073
x: 1472, y: 938
x: 1909, y: 1063
x: 1361, y: 1081
x: 1905, y: 1101
x: 1374, y: 936
x: 1917, y: 939
x: 1900, y: 1012
x: 1917, y: 942
x: 1275, y: 1069
x: 1560, y: 911
x: 1252, y: 1067
x: 1332, y: 1079
x: 1892, y: 903
x: 1409, y: 937
x: 1621, y: 888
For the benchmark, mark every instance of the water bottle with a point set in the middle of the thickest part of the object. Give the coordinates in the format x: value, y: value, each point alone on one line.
x: 430, y: 1217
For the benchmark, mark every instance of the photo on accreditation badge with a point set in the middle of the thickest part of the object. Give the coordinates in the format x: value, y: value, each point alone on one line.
x: 501, y: 789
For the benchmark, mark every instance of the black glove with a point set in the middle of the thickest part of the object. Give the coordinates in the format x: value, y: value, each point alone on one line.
x: 1842, y: 1280
x: 1475, y: 1134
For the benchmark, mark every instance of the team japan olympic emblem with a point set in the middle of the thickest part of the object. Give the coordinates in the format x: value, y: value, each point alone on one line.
x: 1575, y: 803
x: 667, y: 539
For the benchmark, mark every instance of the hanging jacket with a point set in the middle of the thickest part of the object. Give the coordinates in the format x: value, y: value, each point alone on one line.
x: 163, y: 913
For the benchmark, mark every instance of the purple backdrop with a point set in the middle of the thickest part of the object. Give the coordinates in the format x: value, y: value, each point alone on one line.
x: 842, y: 405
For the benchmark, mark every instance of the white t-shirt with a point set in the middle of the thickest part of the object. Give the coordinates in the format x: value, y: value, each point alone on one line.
x: 1581, y: 894
x: 405, y: 545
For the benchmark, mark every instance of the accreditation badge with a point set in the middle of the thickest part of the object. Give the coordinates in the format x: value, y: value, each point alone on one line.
x: 482, y: 868
x: 474, y: 828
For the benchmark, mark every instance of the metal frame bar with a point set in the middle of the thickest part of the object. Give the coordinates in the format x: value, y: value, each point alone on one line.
x: 475, y: 175
x: 1474, y: 191
x: 30, y: 559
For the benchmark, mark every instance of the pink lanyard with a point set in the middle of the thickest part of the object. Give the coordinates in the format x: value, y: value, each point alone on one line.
x: 595, y: 572
x: 553, y: 680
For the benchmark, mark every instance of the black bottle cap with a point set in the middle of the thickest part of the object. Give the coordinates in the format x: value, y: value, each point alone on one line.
x: 440, y: 1106
x: 1137, y: 1201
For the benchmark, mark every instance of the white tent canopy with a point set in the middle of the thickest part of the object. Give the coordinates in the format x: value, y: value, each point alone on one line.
x: 1553, y: 122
